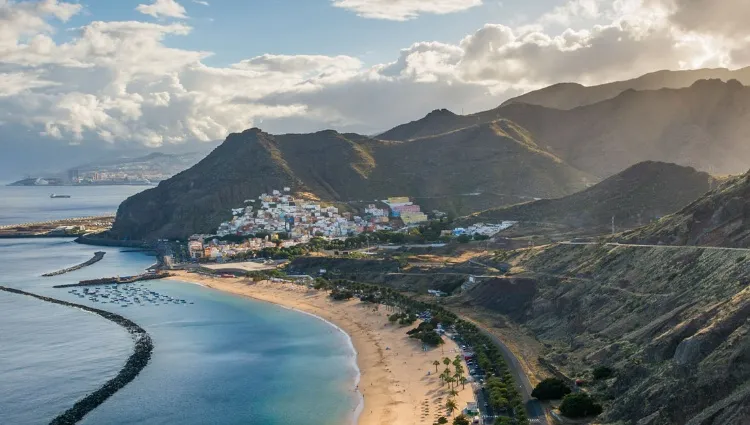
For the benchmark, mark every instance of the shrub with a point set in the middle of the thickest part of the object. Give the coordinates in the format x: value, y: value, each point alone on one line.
x: 461, y: 420
x: 550, y: 389
x: 603, y: 372
x: 579, y: 405
x: 463, y: 239
x: 341, y: 294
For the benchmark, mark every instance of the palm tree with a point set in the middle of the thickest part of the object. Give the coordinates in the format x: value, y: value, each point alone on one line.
x: 450, y: 380
x: 446, y: 361
x: 451, y: 406
x: 453, y: 392
x: 436, y: 363
x: 463, y: 382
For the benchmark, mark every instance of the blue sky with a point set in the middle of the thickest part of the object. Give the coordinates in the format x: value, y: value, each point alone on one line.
x: 165, y: 72
x: 239, y: 29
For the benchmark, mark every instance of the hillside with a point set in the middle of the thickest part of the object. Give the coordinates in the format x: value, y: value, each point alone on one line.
x: 672, y: 324
x: 465, y: 170
x: 719, y: 218
x: 703, y: 126
x: 637, y: 195
x: 573, y: 95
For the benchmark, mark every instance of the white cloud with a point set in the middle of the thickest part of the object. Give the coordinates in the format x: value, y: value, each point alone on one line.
x: 402, y: 10
x: 201, y: 2
x: 163, y: 8
x: 119, y: 82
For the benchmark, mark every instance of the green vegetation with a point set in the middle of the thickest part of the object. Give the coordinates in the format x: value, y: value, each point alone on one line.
x: 266, y: 275
x: 502, y: 389
x: 442, y: 420
x: 461, y: 420
x: 341, y: 294
x: 579, y: 405
x: 551, y: 389
x: 602, y: 372
x: 425, y: 332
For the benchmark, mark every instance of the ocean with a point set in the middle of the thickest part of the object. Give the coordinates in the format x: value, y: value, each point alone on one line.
x: 24, y: 204
x: 221, y: 360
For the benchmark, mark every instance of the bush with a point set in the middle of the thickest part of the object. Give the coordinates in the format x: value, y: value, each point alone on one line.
x: 579, y: 405
x: 603, y: 372
x: 441, y: 420
x: 341, y: 294
x: 550, y: 389
x: 461, y: 420
x: 463, y: 239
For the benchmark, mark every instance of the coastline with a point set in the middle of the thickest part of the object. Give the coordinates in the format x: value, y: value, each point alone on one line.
x: 397, y: 383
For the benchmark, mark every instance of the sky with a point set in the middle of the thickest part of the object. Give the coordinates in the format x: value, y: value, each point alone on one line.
x: 154, y: 73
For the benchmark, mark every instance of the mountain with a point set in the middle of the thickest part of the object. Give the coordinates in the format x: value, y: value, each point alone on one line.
x: 703, y: 126
x: 465, y: 168
x: 719, y: 218
x: 573, y: 95
x: 639, y: 194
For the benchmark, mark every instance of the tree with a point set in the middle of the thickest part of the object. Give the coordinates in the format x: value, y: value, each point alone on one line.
x: 446, y: 361
x: 503, y: 420
x: 550, y: 389
x: 463, y: 382
x: 436, y: 363
x: 461, y: 420
x: 451, y: 406
x: 579, y: 405
x: 463, y: 239
x: 441, y: 420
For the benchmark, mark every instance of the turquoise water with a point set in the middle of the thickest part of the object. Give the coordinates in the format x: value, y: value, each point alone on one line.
x: 222, y: 360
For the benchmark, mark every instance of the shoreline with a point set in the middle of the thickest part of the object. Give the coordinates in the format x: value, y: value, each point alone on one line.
x: 396, y: 380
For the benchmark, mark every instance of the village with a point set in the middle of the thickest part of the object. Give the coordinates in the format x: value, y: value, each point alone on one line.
x: 280, y: 220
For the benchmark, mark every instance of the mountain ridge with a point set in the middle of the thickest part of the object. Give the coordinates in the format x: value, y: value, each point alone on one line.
x: 498, y: 159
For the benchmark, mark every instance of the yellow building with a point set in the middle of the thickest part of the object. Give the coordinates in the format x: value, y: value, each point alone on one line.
x: 413, y: 217
x: 399, y: 200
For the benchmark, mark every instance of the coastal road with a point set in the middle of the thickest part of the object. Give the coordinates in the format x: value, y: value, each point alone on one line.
x: 534, y: 407
x: 615, y: 244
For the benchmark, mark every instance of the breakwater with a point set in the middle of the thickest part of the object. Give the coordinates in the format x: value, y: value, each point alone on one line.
x: 143, y: 347
x: 116, y: 280
x: 97, y: 257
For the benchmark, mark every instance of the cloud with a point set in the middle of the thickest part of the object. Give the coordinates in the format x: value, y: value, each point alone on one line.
x: 120, y: 83
x: 163, y: 8
x: 201, y: 2
x: 402, y: 10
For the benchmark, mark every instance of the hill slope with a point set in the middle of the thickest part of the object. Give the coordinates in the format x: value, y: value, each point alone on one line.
x: 719, y: 218
x: 641, y: 193
x: 703, y: 126
x: 492, y: 162
x: 572, y: 95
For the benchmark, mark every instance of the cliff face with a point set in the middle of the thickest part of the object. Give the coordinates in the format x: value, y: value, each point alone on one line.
x: 495, y: 160
x: 719, y: 218
x: 672, y: 322
x: 637, y: 195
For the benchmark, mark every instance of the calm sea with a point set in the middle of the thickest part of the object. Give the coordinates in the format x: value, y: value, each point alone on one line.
x: 24, y: 204
x: 221, y: 360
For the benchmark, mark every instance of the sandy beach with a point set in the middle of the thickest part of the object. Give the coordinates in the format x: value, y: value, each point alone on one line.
x: 398, y: 379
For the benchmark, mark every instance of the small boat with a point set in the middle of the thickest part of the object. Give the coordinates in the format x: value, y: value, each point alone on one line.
x: 55, y: 196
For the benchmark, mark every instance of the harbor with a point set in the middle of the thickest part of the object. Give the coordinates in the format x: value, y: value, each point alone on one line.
x: 117, y: 280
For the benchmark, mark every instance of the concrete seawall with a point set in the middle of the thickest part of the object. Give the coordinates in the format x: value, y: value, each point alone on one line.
x: 134, y: 365
x: 97, y: 257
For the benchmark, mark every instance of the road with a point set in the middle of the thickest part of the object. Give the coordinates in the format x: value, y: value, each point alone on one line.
x: 717, y: 248
x: 534, y: 407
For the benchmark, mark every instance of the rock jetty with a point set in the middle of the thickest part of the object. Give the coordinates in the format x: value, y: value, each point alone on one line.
x: 135, y: 364
x: 116, y: 280
x: 98, y: 255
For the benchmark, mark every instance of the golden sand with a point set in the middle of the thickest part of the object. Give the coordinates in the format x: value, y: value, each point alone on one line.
x: 398, y: 379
